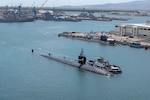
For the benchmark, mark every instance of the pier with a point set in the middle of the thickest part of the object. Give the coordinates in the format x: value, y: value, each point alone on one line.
x: 96, y: 38
x: 28, y: 14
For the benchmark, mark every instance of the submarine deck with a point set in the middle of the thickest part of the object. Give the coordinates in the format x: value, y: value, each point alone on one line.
x: 77, y: 65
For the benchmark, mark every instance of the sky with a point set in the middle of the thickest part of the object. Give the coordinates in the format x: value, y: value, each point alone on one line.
x: 56, y: 3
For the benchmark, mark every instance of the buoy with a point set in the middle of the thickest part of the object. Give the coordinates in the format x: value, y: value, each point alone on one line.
x: 32, y: 50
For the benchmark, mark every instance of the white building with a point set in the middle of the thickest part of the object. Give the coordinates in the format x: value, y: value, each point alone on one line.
x: 133, y: 29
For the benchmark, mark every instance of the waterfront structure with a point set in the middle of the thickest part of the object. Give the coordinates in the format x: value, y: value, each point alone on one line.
x: 133, y: 30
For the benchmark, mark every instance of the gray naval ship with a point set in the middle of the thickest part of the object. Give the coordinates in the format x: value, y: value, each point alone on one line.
x: 98, y: 66
x: 16, y: 15
x: 57, y: 16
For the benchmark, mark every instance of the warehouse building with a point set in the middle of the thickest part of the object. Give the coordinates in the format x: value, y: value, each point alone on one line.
x: 133, y: 29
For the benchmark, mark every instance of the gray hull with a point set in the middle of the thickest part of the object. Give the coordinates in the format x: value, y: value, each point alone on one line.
x: 77, y: 65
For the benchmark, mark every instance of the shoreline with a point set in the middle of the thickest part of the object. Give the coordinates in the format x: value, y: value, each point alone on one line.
x: 120, y: 40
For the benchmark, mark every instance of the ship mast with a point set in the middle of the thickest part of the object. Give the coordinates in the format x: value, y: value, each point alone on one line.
x: 81, y: 54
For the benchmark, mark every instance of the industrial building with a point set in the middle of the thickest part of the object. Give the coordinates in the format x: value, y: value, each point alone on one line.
x: 133, y: 29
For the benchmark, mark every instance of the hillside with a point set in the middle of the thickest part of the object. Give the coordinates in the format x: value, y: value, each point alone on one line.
x: 134, y: 5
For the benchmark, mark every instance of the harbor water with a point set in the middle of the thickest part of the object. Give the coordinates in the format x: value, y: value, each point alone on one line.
x: 28, y: 76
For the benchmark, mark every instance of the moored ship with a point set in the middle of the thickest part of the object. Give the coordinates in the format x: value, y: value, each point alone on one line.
x: 16, y: 15
x: 135, y: 45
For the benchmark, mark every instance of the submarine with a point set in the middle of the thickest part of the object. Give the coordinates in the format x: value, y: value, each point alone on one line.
x: 81, y: 63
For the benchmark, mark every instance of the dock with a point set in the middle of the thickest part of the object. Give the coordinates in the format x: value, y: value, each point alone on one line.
x: 73, y: 63
x: 95, y: 37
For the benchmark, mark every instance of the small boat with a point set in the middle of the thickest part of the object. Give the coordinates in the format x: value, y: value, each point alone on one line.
x: 135, y: 45
x: 106, y: 40
x: 111, y: 41
x: 114, y: 69
x: 101, y: 63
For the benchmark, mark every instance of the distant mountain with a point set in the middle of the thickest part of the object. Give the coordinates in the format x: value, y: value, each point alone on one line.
x: 134, y: 5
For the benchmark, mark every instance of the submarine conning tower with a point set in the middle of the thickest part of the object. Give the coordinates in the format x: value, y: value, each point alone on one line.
x: 81, y: 58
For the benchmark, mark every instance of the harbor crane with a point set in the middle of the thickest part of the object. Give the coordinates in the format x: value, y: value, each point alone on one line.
x: 33, y: 4
x: 43, y: 3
